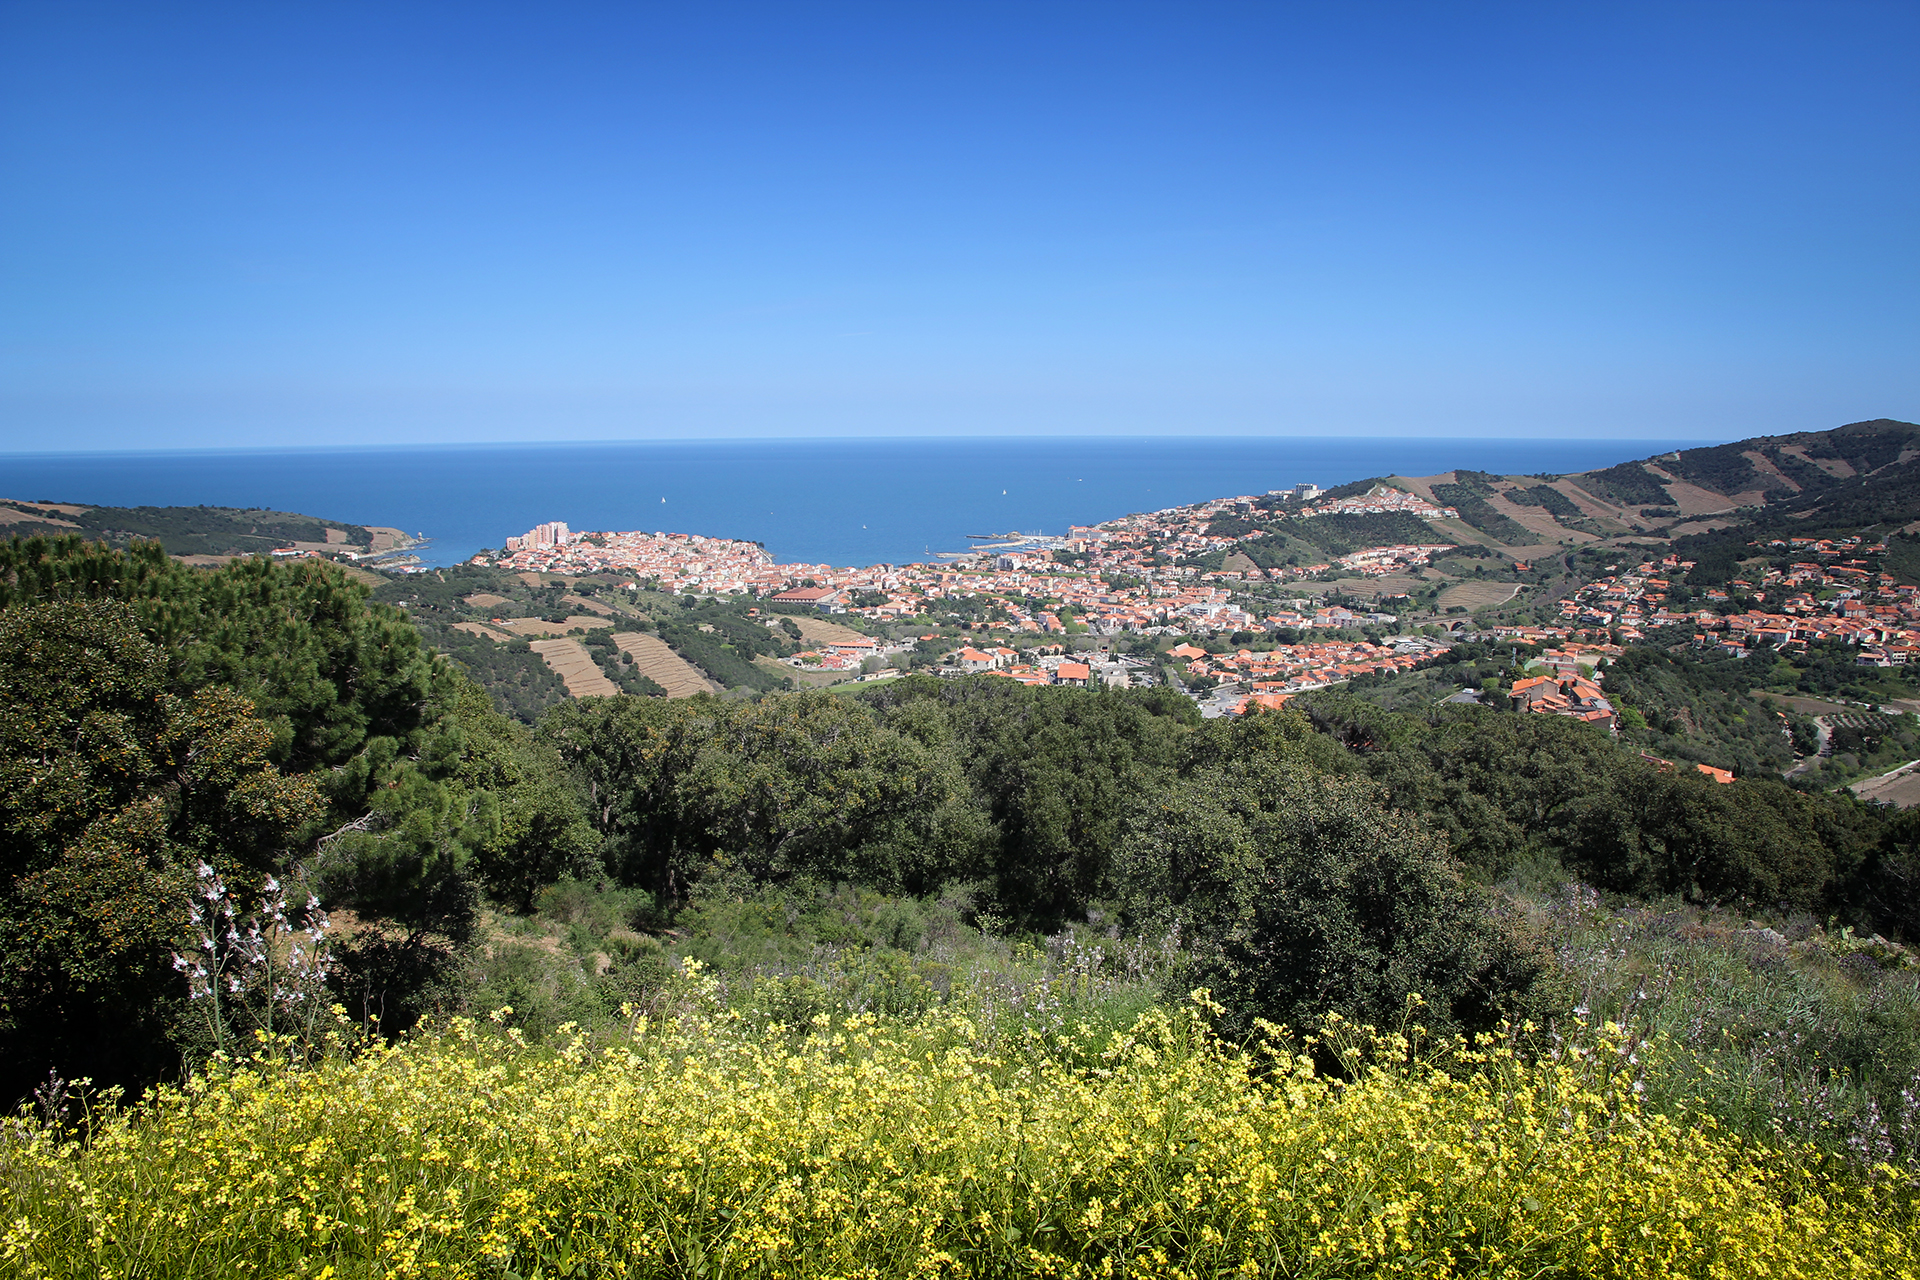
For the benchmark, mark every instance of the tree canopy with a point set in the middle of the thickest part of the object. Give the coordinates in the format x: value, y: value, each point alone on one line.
x: 272, y: 720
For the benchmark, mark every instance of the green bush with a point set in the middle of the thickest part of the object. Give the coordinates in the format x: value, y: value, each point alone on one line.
x: 1299, y: 892
x: 117, y: 783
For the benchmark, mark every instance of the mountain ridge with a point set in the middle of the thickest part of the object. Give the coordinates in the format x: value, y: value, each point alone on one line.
x: 1858, y: 477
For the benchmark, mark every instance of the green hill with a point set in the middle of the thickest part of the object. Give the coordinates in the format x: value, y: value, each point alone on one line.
x: 183, y: 531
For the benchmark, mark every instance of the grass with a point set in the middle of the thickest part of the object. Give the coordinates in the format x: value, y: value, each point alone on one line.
x: 589, y: 948
x: 699, y: 1144
x: 820, y: 1080
x: 1803, y: 1035
x: 1800, y: 1034
x: 1475, y: 595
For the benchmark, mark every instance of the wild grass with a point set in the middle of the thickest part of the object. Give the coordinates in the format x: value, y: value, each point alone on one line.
x: 792, y: 953
x: 1810, y: 1035
x: 704, y: 1142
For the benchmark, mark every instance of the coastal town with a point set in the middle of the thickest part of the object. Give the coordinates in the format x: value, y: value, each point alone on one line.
x: 1125, y: 577
x: 1147, y: 575
x: 1128, y: 575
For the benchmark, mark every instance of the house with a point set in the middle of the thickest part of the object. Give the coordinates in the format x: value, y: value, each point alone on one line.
x: 1570, y: 696
x: 971, y: 659
x: 818, y: 597
x: 1076, y: 674
x: 1722, y: 776
x: 1258, y: 702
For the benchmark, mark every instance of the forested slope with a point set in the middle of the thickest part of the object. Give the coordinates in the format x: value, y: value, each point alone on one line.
x: 220, y: 531
x: 191, y: 756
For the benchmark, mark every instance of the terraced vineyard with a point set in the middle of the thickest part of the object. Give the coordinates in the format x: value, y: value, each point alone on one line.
x: 660, y: 664
x: 818, y: 631
x: 531, y: 627
x: 573, y: 664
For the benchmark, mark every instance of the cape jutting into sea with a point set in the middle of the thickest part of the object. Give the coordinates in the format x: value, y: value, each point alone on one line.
x: 840, y: 502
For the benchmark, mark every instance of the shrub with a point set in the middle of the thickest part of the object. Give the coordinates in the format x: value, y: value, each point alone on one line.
x: 115, y: 784
x: 1301, y: 893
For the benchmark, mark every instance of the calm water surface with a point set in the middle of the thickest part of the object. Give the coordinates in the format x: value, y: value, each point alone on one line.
x: 843, y: 502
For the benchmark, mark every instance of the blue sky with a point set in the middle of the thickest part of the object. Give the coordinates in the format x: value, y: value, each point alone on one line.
x: 339, y: 223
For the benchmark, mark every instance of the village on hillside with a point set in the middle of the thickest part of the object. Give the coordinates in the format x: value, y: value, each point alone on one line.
x: 1124, y: 575
x: 1147, y: 574
x: 1119, y: 578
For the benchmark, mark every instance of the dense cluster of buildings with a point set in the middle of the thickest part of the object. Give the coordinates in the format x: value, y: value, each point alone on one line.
x: 1138, y: 574
x: 1376, y: 562
x: 1834, y: 597
x: 1132, y: 574
x: 1292, y: 668
x: 1050, y: 664
x: 541, y: 537
x: 1123, y: 577
x: 684, y: 560
x: 1381, y: 500
x: 1574, y: 696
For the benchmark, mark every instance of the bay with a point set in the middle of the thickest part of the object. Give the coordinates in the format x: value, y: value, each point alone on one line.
x: 835, y: 501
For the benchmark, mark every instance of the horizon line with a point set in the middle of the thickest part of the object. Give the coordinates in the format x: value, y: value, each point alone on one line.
x: 1670, y: 442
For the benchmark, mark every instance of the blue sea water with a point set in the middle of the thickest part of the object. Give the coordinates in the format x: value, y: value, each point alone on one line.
x: 841, y: 502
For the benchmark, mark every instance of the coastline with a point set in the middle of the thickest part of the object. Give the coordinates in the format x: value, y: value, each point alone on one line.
x: 844, y: 502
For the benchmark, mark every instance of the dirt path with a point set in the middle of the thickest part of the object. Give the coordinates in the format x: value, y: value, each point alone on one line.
x: 660, y: 664
x: 573, y: 664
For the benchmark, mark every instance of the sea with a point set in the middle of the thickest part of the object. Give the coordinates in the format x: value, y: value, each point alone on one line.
x: 843, y: 502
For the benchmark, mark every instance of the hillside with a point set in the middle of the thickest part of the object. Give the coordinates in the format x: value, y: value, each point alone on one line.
x: 532, y: 641
x: 1855, y: 478
x: 1530, y: 543
x: 196, y: 531
x: 855, y: 975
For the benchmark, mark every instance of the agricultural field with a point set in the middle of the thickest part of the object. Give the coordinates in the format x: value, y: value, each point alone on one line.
x: 574, y: 665
x: 485, y: 619
x: 1473, y: 596
x: 533, y: 628
x: 660, y: 664
x: 1898, y: 787
x: 816, y: 630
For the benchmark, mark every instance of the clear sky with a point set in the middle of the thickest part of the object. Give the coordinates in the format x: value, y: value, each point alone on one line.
x: 299, y: 223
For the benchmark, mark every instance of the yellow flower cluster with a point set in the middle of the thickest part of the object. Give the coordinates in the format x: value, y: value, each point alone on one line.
x: 699, y: 1148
